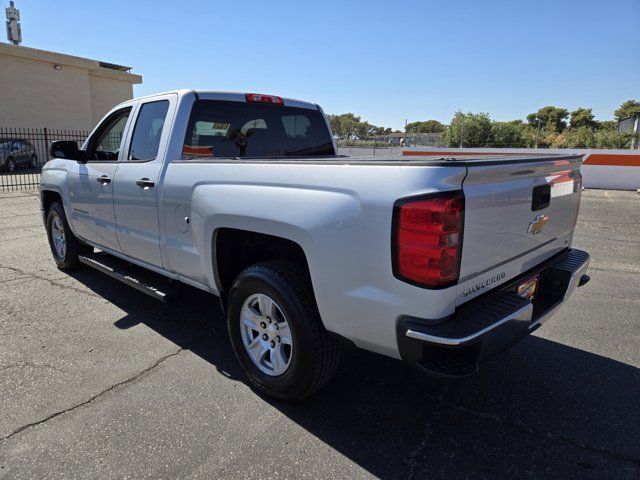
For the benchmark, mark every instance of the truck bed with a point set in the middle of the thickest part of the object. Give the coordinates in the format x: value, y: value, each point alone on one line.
x: 391, y: 160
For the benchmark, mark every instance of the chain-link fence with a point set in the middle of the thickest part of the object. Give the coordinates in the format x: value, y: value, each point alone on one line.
x: 23, y: 151
x: 425, y: 140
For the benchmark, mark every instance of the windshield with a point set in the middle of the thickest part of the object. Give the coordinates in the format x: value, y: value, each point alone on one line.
x: 237, y: 129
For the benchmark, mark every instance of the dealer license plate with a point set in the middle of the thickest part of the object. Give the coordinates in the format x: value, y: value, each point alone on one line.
x: 528, y: 288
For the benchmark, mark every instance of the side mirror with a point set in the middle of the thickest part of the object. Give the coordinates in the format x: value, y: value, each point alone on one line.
x: 67, y: 149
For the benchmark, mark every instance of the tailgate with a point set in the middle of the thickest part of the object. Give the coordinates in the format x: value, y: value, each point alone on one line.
x: 517, y: 214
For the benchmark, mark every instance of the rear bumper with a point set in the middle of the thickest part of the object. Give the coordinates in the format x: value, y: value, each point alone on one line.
x: 492, y: 323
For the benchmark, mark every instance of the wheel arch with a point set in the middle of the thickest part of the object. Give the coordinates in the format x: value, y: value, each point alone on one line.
x: 47, y: 198
x: 233, y: 250
x: 49, y: 195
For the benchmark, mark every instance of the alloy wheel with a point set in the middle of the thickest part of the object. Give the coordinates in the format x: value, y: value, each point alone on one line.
x: 58, y: 237
x: 266, y: 335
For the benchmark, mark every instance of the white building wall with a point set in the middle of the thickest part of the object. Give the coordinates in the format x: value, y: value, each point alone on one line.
x: 35, y: 95
x: 47, y: 89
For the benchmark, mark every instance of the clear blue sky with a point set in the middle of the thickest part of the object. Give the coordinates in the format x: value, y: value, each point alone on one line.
x: 385, y: 61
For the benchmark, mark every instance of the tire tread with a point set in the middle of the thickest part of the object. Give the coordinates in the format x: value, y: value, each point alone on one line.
x: 74, y: 246
x: 325, y: 350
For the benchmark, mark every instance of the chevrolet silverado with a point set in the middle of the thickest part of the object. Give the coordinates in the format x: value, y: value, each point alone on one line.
x: 441, y: 262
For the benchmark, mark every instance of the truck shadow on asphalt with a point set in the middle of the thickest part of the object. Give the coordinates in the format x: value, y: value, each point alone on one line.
x: 542, y: 410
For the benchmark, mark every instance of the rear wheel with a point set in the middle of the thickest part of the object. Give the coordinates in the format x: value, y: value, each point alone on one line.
x: 65, y: 247
x: 266, y: 335
x: 276, y: 331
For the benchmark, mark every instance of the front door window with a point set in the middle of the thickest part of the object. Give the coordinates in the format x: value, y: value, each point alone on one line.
x: 105, y: 145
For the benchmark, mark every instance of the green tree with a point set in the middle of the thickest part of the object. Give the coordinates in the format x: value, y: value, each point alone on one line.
x: 365, y: 129
x: 583, y: 117
x: 529, y: 134
x: 468, y: 130
x: 349, y: 126
x: 507, y: 135
x: 608, y: 125
x: 428, y: 126
x: 580, y: 137
x: 627, y: 109
x: 344, y: 126
x: 610, y: 138
x: 550, y: 118
x: 382, y: 131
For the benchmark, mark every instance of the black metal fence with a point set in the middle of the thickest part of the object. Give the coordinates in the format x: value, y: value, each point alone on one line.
x: 23, y: 151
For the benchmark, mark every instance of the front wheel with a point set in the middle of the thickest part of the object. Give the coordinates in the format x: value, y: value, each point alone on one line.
x: 276, y: 331
x: 11, y: 165
x: 65, y: 247
x: 34, y: 161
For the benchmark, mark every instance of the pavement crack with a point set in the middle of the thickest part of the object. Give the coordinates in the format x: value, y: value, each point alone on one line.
x: 13, y: 269
x: 9, y: 280
x: 548, y: 435
x: 20, y: 227
x: 95, y: 397
x: 418, y: 451
x: 26, y: 237
x: 51, y: 282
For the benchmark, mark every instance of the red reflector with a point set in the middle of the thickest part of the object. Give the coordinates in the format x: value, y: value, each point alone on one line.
x: 259, y: 98
x: 428, y: 239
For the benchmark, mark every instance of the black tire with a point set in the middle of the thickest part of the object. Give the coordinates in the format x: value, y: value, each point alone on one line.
x: 73, y: 246
x: 34, y: 161
x: 10, y: 165
x: 314, y: 356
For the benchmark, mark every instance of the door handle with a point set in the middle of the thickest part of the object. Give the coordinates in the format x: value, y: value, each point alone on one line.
x: 103, y: 180
x: 145, y: 183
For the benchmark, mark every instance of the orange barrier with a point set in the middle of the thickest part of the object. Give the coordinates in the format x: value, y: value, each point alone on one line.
x: 613, y: 159
x: 616, y: 159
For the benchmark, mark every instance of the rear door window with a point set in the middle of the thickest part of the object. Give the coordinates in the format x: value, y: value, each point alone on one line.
x: 243, y: 129
x: 148, y: 130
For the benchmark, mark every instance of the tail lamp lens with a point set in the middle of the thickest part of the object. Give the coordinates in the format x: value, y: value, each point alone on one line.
x: 428, y: 240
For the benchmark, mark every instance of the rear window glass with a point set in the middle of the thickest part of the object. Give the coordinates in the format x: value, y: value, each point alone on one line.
x: 237, y: 129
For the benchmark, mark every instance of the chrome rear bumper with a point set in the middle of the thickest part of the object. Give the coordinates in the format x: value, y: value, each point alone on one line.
x: 492, y: 323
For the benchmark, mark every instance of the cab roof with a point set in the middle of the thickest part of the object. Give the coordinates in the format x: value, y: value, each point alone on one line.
x: 229, y: 96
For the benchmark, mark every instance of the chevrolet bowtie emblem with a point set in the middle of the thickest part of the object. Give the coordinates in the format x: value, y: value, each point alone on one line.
x: 538, y: 224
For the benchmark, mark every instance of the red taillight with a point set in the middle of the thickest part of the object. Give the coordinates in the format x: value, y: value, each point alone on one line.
x: 428, y: 239
x: 259, y: 98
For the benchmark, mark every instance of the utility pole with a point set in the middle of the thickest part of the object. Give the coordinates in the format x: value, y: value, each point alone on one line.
x: 462, y: 132
x: 537, y: 133
x: 405, y: 133
x: 14, y: 31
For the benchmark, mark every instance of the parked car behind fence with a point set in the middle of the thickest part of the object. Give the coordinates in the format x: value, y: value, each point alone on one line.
x: 17, y: 152
x: 23, y: 151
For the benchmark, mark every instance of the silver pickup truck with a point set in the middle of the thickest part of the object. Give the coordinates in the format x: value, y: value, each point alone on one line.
x: 442, y: 262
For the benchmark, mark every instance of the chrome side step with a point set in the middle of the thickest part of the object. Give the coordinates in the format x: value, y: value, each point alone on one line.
x: 152, y: 284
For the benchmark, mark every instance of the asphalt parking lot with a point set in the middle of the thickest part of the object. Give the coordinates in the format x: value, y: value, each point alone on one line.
x: 99, y: 381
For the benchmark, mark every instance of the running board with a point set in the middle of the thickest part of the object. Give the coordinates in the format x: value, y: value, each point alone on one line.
x: 145, y: 281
